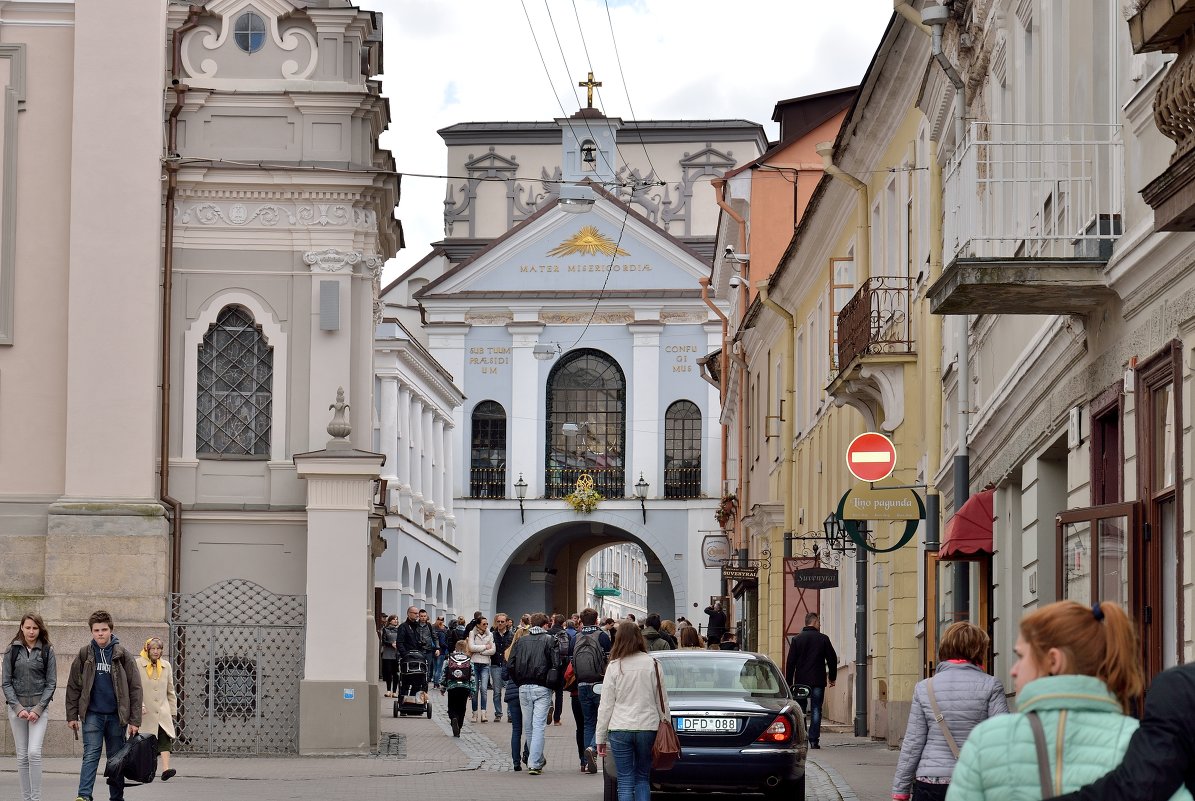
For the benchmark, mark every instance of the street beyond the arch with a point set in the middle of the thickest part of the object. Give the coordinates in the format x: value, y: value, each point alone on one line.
x: 419, y: 758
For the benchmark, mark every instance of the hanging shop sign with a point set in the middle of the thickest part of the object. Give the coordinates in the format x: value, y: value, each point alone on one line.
x: 715, y: 550
x: 865, y: 502
x: 853, y: 527
x: 733, y: 573
x: 815, y: 578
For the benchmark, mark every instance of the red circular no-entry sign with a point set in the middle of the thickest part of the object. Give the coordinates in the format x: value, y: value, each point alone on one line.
x: 871, y: 457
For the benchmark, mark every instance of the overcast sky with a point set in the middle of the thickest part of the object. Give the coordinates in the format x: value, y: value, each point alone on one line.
x: 450, y: 61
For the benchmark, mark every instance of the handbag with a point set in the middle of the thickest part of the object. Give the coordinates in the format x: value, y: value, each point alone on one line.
x: 941, y: 719
x: 666, y: 748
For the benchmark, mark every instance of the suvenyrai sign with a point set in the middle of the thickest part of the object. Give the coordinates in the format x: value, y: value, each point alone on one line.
x: 815, y: 578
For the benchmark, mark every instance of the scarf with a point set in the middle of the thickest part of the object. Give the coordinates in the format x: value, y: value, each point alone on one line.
x: 152, y: 669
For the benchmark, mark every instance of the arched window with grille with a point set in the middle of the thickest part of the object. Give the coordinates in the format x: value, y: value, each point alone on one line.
x: 234, y: 386
x: 682, y: 450
x: 487, y: 460
x: 586, y: 424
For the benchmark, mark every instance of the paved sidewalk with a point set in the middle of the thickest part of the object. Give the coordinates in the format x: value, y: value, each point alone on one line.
x: 419, y: 756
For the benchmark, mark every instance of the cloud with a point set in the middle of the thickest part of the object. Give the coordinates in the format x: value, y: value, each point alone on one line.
x: 473, y: 61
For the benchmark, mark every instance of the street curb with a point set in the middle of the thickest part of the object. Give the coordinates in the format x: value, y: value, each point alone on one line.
x: 835, y: 779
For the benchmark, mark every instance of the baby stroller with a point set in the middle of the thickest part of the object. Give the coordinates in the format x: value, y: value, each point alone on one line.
x: 413, y: 698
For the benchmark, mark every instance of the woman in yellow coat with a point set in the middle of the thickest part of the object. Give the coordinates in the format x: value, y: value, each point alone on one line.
x: 160, y: 706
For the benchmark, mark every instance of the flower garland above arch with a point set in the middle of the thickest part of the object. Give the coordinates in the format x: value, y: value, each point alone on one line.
x: 584, y: 498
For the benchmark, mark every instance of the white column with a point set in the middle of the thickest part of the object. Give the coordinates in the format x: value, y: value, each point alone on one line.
x: 438, y: 467
x: 524, y: 428
x: 388, y: 424
x: 417, y: 486
x: 403, y: 467
x: 645, y: 408
x: 427, y: 479
x: 449, y: 486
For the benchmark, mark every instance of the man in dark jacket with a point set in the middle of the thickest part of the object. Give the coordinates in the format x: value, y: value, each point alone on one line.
x: 531, y: 661
x: 717, y: 625
x: 811, y: 659
x: 1161, y: 755
x: 103, y: 697
x: 503, y: 634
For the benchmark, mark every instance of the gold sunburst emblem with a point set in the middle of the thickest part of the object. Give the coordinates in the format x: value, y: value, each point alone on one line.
x: 589, y: 241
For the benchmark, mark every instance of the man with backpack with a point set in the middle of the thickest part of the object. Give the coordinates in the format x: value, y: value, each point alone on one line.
x: 535, y: 666
x: 590, y: 652
x: 564, y: 652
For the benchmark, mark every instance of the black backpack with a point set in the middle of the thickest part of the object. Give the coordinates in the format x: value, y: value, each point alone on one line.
x: 137, y: 762
x: 589, y: 660
x: 564, y: 647
x: 458, y: 668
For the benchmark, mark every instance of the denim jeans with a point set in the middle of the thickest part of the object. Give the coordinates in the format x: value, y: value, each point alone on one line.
x: 99, y: 731
x: 632, y: 759
x: 817, y: 695
x: 27, y: 739
x: 535, y: 700
x: 589, y: 708
x: 481, y: 675
x: 498, y: 682
x: 438, y: 670
x: 514, y: 713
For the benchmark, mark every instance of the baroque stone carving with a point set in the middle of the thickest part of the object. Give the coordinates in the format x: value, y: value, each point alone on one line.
x: 286, y: 40
x: 272, y: 215
x: 375, y: 263
x: 331, y: 260
x: 705, y: 162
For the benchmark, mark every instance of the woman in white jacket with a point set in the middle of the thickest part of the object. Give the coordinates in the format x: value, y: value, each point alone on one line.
x: 630, y: 711
x: 481, y: 648
x: 159, y: 705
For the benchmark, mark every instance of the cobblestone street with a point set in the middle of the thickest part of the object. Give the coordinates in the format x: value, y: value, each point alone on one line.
x: 420, y: 756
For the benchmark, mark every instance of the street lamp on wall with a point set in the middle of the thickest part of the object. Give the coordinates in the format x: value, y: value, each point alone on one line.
x: 521, y: 493
x: 641, y: 493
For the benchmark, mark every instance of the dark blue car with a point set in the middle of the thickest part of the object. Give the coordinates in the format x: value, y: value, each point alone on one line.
x: 740, y: 727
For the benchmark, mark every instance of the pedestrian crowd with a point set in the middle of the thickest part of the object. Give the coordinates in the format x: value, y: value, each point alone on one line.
x: 110, y: 696
x: 527, y: 668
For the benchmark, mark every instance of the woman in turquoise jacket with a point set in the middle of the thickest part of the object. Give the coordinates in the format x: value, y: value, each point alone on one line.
x: 1077, y: 668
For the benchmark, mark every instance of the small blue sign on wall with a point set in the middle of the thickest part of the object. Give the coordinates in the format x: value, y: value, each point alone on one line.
x: 349, y: 694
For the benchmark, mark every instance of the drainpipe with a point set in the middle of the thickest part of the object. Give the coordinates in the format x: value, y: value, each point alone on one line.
x: 171, y: 167
x: 903, y: 8
x: 863, y: 256
x: 863, y: 239
x: 724, y: 358
x: 936, y: 17
x: 932, y: 409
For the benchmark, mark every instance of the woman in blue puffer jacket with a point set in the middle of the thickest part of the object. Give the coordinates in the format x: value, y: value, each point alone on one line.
x: 1076, y: 671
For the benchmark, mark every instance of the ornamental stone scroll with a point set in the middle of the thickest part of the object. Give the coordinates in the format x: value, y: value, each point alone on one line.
x: 332, y: 260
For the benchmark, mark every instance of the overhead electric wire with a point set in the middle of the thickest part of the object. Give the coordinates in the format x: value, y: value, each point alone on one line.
x: 625, y: 90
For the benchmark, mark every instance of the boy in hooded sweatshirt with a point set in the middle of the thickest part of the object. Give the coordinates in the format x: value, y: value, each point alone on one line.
x: 103, y: 697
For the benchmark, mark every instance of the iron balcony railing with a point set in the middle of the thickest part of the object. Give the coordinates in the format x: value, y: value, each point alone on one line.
x: 609, y: 481
x: 682, y: 482
x: 487, y: 482
x: 1040, y: 191
x: 876, y: 320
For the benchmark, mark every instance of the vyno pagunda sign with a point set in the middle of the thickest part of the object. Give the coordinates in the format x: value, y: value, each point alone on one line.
x: 815, y: 578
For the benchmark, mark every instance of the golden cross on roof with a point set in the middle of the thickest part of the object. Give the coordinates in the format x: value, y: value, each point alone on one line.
x: 589, y: 86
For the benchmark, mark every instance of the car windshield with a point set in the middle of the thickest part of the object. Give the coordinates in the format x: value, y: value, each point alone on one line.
x: 698, y: 673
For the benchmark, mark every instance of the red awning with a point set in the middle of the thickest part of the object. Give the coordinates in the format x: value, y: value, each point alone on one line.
x: 969, y: 530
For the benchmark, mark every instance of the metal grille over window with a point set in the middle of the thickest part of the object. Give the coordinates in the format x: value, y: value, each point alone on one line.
x: 487, y: 465
x: 586, y: 424
x: 682, y: 450
x: 235, y: 388
x: 250, y: 32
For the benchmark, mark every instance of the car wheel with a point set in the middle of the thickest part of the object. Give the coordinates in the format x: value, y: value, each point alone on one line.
x: 429, y: 711
x: 396, y: 709
x: 609, y: 787
x: 788, y: 791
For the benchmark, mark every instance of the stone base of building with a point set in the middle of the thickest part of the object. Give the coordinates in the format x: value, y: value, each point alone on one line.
x: 337, y: 717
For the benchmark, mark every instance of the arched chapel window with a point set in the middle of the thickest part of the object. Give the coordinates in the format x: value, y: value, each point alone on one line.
x: 682, y: 450
x: 487, y: 460
x: 586, y: 424
x: 234, y: 396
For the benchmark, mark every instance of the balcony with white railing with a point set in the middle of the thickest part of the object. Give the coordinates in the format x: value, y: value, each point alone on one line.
x: 1030, y: 216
